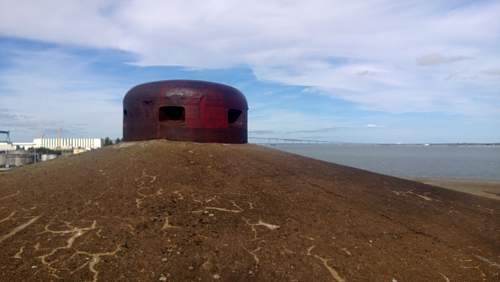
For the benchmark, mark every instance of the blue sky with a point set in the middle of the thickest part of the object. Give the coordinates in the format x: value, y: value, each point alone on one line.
x: 364, y: 71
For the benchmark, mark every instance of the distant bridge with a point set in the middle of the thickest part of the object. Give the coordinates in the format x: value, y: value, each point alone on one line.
x: 273, y: 140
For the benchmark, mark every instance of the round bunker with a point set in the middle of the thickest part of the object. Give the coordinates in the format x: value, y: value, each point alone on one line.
x: 185, y: 110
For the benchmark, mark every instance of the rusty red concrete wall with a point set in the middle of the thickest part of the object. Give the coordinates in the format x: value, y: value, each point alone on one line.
x: 206, y: 118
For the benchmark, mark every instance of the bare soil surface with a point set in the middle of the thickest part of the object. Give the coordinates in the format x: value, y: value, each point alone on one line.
x: 174, y: 211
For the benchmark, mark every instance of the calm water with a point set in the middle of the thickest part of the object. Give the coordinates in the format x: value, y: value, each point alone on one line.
x: 472, y: 162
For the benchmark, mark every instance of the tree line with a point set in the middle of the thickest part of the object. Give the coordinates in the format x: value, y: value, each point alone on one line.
x: 108, y: 141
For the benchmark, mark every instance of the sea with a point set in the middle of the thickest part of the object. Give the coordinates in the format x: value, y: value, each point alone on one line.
x: 472, y: 162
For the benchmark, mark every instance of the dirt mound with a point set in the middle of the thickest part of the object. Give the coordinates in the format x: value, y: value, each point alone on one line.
x: 172, y: 211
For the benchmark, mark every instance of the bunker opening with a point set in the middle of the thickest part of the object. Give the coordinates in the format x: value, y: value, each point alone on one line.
x: 172, y: 113
x: 233, y: 115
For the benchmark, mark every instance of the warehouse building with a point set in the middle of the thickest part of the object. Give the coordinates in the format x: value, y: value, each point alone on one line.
x: 67, y: 143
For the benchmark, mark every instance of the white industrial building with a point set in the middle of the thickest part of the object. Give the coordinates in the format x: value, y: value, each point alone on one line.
x: 56, y: 143
x: 7, y: 146
x: 14, y: 154
x: 67, y: 143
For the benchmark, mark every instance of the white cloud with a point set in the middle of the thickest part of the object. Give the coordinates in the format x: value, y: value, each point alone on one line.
x: 367, y: 52
x: 283, y: 120
x: 492, y: 72
x: 438, y: 59
x: 46, y: 90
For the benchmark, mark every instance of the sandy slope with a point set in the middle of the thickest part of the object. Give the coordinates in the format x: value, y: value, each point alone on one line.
x: 484, y: 188
x: 172, y: 211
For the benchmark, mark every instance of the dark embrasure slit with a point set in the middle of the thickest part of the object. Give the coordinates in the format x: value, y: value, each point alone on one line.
x: 173, y: 113
x: 233, y: 115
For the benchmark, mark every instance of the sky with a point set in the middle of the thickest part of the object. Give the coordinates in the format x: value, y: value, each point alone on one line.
x: 371, y: 71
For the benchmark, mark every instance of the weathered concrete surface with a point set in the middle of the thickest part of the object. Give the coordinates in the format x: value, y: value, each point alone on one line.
x: 170, y: 211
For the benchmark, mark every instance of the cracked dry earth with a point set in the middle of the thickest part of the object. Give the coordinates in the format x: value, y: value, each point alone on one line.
x: 174, y: 211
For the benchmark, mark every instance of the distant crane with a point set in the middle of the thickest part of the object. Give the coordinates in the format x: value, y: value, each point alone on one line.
x: 7, y: 135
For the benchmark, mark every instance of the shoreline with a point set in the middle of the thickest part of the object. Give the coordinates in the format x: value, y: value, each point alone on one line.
x: 484, y: 188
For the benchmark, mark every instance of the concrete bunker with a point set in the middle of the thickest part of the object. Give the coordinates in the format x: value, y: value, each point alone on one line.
x: 185, y: 110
